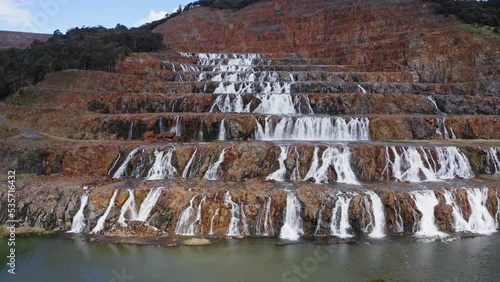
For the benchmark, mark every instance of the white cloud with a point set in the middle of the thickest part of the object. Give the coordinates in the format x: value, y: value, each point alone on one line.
x: 153, y: 16
x: 14, y: 14
x: 176, y: 9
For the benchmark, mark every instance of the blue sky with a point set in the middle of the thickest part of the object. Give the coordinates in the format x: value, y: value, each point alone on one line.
x: 45, y: 16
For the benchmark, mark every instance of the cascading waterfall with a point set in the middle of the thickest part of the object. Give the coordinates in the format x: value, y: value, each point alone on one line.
x: 433, y: 101
x: 279, y: 175
x: 122, y: 170
x: 162, y: 167
x: 100, y: 222
x: 267, y: 225
x: 79, y: 220
x: 235, y: 74
x: 339, y: 225
x: 453, y: 163
x: 244, y: 219
x: 213, y: 170
x: 292, y: 227
x: 149, y: 203
x: 114, y: 164
x: 276, y: 104
x: 185, y: 173
x: 186, y: 224
x: 295, y: 176
x: 161, y: 123
x: 129, y: 206
x: 212, y: 222
x: 176, y: 127
x: 399, y: 228
x: 320, y: 219
x: 198, y: 221
x: 234, y: 224
x: 426, y: 201
x: 222, y: 130
x: 363, y: 91
x: 441, y: 129
x: 480, y: 220
x: 224, y: 104
x: 314, y: 128
x: 302, y: 104
x: 339, y: 159
x: 492, y: 161
x: 410, y: 166
x: 378, y: 223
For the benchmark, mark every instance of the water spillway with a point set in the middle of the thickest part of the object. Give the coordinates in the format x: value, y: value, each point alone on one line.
x: 79, y: 219
x: 343, y: 214
x: 314, y: 128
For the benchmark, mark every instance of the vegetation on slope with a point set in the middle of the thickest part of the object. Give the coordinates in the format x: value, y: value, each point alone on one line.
x: 88, y: 48
x: 472, y: 12
x: 216, y: 4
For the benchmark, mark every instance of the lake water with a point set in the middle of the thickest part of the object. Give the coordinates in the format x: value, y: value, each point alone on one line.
x: 253, y: 259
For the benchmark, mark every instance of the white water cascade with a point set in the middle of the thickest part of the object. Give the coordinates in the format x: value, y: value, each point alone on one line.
x: 441, y: 129
x: 292, y: 227
x: 100, y: 222
x: 339, y: 225
x: 185, y: 172
x: 198, y: 221
x: 320, y: 219
x: 426, y: 201
x: 234, y: 224
x: 213, y: 170
x: 185, y: 225
x: 149, y: 203
x: 244, y: 219
x: 129, y: 206
x: 161, y: 124
x: 162, y: 167
x: 212, y: 222
x: 332, y: 156
x: 363, y: 91
x: 122, y: 170
x: 176, y: 127
x: 79, y: 220
x: 295, y: 176
x: 114, y: 164
x: 480, y: 220
x: 418, y: 164
x: 229, y: 103
x: 378, y: 224
x: 433, y: 101
x: 399, y: 228
x: 267, y: 223
x: 236, y: 76
x: 222, y: 130
x: 492, y: 161
x: 314, y: 128
x: 279, y: 175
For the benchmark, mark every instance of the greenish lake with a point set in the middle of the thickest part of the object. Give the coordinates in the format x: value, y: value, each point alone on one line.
x: 256, y: 259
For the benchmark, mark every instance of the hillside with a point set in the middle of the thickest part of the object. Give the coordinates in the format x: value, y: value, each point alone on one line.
x: 12, y: 39
x: 374, y: 35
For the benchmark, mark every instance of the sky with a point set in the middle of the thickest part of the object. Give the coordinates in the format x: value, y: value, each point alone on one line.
x: 46, y: 16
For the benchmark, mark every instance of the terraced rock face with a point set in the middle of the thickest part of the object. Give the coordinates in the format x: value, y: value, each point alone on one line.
x: 271, y: 143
